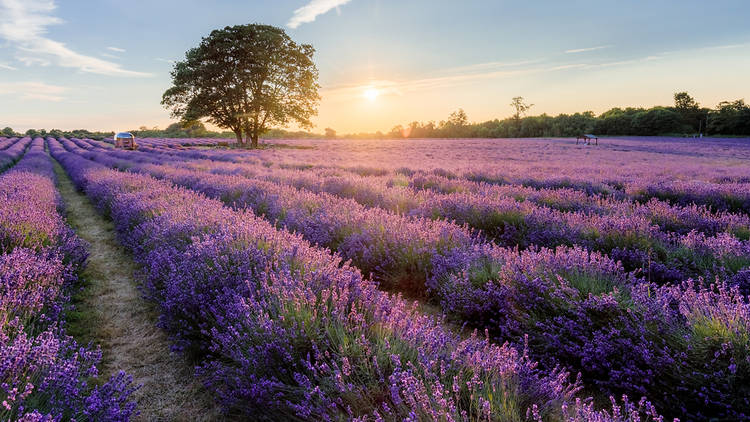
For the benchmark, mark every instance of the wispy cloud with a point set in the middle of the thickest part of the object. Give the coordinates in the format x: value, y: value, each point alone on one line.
x: 726, y: 46
x: 484, y: 67
x: 624, y: 62
x: 481, y: 72
x: 39, y: 91
x: 584, y: 50
x: 170, y: 61
x: 23, y: 24
x: 312, y: 10
x: 406, y: 86
x: 7, y: 67
x: 116, y: 49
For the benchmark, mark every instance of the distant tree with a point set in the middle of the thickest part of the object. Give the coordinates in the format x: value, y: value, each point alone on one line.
x: 183, y: 129
x: 692, y: 115
x: 246, y: 78
x: 730, y: 118
x: 520, y: 107
x: 330, y: 133
x: 174, y: 128
x: 456, y: 126
x: 415, y: 130
x: 683, y: 101
x: 398, y: 131
x: 8, y: 132
x: 458, y: 118
x: 195, y: 129
x: 56, y: 133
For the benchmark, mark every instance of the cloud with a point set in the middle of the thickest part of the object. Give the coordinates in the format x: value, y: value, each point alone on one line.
x: 466, y: 75
x: 310, y: 11
x: 39, y: 91
x: 23, y: 24
x: 725, y: 47
x: 404, y: 87
x: 7, y: 67
x: 484, y: 67
x: 584, y: 50
x: 495, y: 70
x: 116, y: 49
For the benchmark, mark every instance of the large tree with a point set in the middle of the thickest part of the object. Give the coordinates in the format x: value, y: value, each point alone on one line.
x: 246, y: 78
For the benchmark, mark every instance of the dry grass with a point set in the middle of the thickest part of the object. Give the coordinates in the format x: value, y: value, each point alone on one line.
x: 112, y: 313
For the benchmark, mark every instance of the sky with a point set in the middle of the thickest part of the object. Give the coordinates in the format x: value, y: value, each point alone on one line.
x: 103, y: 65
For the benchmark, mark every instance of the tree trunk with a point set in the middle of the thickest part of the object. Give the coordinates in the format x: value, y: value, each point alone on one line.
x: 238, y: 135
x: 251, y: 135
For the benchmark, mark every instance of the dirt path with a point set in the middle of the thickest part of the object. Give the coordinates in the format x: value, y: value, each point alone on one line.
x: 112, y: 313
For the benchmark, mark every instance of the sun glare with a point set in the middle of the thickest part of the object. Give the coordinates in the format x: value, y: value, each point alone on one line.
x: 371, y: 93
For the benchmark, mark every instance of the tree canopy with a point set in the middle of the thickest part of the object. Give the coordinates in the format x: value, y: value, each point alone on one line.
x: 246, y: 78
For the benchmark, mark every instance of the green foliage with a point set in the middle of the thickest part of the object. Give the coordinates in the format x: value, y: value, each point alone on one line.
x: 483, y: 271
x: 657, y: 120
x: 593, y: 283
x: 190, y: 129
x: 57, y: 133
x: 246, y: 78
x: 683, y: 101
x: 730, y: 118
x: 685, y: 117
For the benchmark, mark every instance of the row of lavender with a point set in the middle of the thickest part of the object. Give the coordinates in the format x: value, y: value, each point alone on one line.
x: 44, y: 374
x: 652, y: 237
x: 11, y: 150
x: 668, y: 243
x: 279, y: 327
x: 6, y: 142
x: 178, y: 142
x: 665, y: 243
x: 374, y: 190
x: 726, y: 190
x: 379, y: 191
x: 685, y: 347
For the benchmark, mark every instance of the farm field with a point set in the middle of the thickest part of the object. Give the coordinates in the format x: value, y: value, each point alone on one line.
x: 435, y: 279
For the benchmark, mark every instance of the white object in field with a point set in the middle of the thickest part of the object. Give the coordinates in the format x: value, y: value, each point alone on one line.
x: 125, y: 140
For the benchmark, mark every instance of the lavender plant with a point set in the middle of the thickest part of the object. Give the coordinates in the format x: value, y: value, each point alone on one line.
x: 44, y: 373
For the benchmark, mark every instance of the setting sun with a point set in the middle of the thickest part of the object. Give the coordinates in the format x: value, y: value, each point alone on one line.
x: 371, y: 94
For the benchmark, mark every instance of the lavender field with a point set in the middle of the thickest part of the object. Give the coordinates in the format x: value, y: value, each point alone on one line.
x: 440, y: 279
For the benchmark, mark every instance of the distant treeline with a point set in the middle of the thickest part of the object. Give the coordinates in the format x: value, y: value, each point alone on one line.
x: 685, y: 118
x: 175, y: 130
x: 198, y: 130
x: 57, y: 133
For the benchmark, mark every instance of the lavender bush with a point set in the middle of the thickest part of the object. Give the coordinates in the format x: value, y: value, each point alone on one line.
x: 576, y: 308
x: 44, y: 373
x: 279, y: 327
